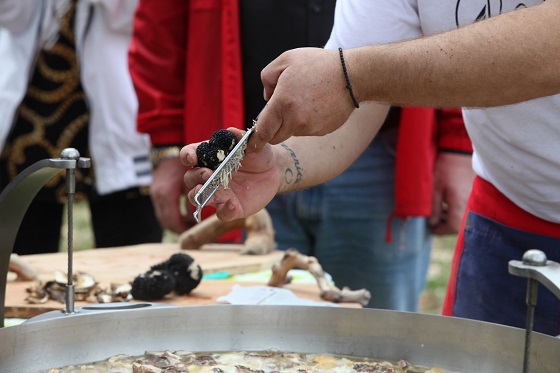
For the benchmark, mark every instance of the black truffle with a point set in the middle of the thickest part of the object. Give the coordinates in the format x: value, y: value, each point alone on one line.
x: 210, y: 154
x: 186, y: 272
x: 224, y: 140
x: 207, y: 156
x: 152, y: 285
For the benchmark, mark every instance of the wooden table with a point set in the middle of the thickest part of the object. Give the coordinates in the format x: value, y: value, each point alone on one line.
x: 122, y: 265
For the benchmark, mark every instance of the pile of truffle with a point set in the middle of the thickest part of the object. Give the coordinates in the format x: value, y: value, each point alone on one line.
x: 213, y: 152
x: 180, y: 273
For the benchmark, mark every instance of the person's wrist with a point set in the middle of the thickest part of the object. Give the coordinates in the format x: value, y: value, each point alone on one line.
x: 159, y: 154
x: 347, y: 79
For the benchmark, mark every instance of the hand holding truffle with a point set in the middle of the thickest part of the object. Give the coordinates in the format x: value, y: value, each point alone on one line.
x: 254, y: 184
x: 228, y: 160
x: 297, y: 163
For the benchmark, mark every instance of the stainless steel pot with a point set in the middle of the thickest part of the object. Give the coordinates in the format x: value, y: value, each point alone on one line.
x: 95, y: 333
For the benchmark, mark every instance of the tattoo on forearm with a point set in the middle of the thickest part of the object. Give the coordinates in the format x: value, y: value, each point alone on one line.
x: 289, y: 173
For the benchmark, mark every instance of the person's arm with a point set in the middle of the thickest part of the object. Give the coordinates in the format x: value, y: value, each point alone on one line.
x: 297, y: 163
x: 502, y: 60
x: 506, y: 59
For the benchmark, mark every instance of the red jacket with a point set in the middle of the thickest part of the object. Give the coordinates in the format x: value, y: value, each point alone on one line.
x: 194, y: 45
x: 197, y: 42
x: 423, y: 133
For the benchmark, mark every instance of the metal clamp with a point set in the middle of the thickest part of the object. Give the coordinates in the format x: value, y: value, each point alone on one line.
x: 15, y: 200
x: 536, y: 268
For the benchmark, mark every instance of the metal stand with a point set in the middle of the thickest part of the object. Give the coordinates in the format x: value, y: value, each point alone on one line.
x: 537, y: 269
x: 14, y: 202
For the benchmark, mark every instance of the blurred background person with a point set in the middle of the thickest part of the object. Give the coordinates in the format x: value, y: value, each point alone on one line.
x: 185, y: 62
x: 65, y: 83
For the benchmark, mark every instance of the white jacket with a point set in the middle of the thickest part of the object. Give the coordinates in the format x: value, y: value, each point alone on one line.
x: 103, y: 30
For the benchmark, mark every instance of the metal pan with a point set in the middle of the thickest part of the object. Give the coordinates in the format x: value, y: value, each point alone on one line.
x: 95, y: 333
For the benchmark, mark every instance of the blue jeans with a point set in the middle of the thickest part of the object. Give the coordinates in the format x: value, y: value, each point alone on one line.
x: 486, y: 291
x: 343, y: 224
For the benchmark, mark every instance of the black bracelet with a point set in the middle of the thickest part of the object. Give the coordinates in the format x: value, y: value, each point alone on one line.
x: 348, y: 85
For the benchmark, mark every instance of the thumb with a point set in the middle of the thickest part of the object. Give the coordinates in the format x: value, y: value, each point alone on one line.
x: 270, y: 75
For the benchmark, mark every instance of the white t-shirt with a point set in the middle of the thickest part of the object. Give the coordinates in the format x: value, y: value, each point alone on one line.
x: 517, y: 147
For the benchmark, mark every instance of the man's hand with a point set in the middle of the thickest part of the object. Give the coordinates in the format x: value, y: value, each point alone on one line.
x: 252, y: 186
x: 453, y: 178
x: 166, y: 191
x: 307, y: 96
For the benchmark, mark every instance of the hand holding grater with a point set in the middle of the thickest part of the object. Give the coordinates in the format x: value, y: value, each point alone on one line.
x: 222, y: 174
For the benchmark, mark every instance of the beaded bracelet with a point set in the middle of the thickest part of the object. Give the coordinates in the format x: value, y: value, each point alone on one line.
x: 348, y: 85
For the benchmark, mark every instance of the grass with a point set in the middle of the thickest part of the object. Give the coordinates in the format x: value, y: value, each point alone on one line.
x: 431, y: 300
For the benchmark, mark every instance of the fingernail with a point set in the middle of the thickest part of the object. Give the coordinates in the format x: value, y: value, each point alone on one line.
x: 190, y: 160
x: 205, y: 176
x: 230, y: 205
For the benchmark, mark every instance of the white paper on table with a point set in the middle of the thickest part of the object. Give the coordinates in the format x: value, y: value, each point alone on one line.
x: 267, y: 295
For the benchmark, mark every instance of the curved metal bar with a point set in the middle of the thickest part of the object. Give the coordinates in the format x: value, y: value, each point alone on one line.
x: 548, y: 274
x: 14, y: 202
x: 537, y: 269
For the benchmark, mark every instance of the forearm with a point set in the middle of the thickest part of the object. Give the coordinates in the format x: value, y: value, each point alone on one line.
x: 308, y: 161
x: 503, y: 60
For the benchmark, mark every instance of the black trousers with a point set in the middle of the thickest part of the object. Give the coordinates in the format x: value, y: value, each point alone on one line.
x: 118, y: 219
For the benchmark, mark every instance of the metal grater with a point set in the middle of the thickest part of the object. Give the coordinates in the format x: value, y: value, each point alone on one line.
x: 222, y: 175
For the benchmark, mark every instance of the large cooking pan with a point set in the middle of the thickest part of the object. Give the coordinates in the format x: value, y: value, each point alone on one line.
x: 453, y: 344
x: 97, y: 332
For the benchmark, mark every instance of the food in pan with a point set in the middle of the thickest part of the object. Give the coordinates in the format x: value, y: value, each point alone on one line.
x: 268, y: 361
